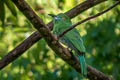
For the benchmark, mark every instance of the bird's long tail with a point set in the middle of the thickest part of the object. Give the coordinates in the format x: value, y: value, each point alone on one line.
x: 83, y: 64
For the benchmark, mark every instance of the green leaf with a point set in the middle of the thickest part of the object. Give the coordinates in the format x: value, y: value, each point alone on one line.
x: 11, y: 7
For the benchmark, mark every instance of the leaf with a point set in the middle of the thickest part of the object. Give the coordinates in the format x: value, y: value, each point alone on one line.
x: 11, y: 7
x: 2, y: 12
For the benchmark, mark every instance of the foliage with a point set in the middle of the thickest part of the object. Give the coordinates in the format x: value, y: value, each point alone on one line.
x: 101, y: 37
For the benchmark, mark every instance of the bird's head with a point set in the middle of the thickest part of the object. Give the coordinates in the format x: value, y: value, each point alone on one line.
x: 59, y: 17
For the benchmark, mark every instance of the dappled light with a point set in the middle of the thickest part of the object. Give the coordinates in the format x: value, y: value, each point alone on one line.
x: 101, y: 38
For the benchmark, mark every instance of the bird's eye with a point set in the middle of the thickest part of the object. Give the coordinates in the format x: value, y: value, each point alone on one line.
x: 57, y: 18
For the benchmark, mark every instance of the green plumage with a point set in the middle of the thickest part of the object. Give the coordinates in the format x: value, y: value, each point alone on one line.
x: 72, y: 38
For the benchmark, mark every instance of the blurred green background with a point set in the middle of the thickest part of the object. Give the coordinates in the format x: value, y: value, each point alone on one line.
x: 101, y: 37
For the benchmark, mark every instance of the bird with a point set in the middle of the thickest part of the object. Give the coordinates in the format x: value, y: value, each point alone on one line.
x: 71, y: 39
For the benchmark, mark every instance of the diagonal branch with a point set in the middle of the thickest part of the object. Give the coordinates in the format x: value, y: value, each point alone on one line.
x: 52, y: 42
x: 89, y: 18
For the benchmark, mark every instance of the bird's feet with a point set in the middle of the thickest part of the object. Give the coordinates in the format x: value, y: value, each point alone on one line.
x: 56, y: 37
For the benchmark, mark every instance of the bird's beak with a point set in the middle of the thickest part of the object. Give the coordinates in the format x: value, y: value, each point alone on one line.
x: 52, y: 15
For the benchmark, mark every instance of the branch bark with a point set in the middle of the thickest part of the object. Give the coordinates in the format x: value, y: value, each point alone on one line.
x: 52, y: 42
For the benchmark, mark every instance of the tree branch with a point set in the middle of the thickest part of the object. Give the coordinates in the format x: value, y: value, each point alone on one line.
x: 89, y: 18
x: 26, y: 44
x: 50, y: 39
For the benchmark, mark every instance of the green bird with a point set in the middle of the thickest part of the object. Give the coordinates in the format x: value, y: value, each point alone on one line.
x: 72, y: 39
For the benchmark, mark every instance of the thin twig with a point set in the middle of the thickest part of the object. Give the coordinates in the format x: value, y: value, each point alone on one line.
x: 89, y: 18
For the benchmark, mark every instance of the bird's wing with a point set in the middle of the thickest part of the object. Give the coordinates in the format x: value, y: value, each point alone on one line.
x: 74, y: 41
x: 75, y: 38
